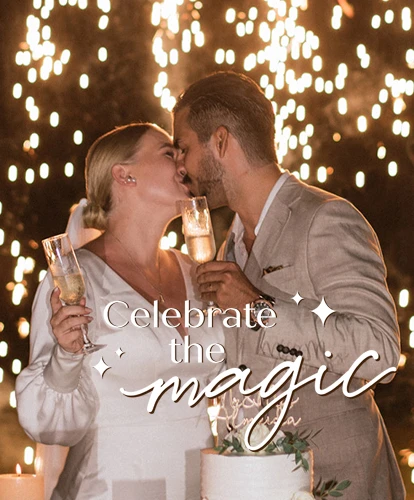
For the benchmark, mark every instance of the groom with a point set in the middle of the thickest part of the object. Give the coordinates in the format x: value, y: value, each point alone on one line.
x: 293, y: 248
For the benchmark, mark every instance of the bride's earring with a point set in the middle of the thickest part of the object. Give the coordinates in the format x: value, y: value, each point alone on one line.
x: 131, y: 179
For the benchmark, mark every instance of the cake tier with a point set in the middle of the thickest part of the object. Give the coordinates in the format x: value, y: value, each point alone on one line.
x: 252, y: 477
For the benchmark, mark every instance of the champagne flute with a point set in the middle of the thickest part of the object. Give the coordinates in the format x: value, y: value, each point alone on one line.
x: 198, y: 232
x: 67, y: 275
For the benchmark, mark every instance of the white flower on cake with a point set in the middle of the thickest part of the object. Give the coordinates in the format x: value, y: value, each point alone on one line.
x: 303, y: 495
x: 257, y: 436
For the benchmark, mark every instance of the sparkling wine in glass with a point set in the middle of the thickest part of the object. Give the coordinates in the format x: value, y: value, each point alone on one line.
x: 198, y: 231
x: 67, y: 275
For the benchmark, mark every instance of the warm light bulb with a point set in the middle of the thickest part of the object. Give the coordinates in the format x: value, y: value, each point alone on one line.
x: 362, y: 124
x: 230, y: 16
x: 360, y: 179
x: 322, y: 174
x: 69, y: 169
x: 382, y: 152
x: 392, y: 169
x: 404, y: 298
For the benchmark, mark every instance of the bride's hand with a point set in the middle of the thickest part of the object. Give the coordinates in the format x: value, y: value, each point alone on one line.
x: 66, y: 322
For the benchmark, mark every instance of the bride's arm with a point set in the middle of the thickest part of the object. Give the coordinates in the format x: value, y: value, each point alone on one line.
x: 56, y: 399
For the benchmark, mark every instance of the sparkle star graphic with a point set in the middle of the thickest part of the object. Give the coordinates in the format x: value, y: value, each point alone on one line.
x: 119, y: 352
x: 101, y: 367
x: 323, y: 311
x: 297, y: 298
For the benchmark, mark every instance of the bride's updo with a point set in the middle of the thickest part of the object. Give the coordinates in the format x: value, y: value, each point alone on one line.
x: 117, y: 146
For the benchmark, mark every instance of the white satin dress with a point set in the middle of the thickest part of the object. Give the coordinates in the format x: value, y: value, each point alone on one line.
x: 118, y: 451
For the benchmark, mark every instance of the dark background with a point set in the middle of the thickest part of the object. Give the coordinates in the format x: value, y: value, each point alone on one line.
x: 121, y: 91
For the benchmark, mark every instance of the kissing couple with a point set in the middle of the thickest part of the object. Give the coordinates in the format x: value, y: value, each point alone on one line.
x: 288, y: 240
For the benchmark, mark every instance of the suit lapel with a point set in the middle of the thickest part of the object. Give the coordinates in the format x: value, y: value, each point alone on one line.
x: 262, y: 250
x: 270, y: 231
x: 269, y: 234
x: 272, y: 228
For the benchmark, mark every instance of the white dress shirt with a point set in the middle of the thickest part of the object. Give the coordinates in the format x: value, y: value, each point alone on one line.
x: 240, y: 249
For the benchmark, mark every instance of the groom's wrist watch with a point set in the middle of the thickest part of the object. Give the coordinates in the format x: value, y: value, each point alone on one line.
x: 262, y: 303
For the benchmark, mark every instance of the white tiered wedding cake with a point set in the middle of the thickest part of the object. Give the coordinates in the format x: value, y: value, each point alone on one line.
x: 247, y: 477
x: 232, y: 472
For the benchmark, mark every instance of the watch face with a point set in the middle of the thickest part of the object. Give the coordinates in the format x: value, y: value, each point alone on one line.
x: 261, y: 306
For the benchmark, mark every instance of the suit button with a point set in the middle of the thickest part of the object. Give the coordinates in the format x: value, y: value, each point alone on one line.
x: 242, y: 367
x: 286, y: 350
x: 293, y: 352
x: 280, y: 348
x: 299, y: 353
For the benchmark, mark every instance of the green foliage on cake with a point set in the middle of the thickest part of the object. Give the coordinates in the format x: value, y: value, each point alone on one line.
x: 285, y: 443
x: 330, y: 489
x: 293, y: 444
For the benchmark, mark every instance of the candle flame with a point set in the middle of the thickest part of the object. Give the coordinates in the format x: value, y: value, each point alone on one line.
x: 18, y: 469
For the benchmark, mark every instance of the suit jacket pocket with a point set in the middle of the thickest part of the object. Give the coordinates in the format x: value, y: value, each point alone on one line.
x: 267, y: 345
x: 283, y: 278
x: 269, y: 342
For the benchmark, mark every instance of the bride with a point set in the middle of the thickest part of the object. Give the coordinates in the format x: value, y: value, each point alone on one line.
x: 117, y: 449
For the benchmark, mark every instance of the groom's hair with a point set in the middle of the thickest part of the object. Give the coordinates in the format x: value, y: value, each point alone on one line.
x: 236, y: 102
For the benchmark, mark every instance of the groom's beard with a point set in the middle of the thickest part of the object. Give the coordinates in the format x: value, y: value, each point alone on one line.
x: 211, y: 180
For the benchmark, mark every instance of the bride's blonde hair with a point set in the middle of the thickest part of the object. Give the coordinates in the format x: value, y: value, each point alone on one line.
x: 117, y: 146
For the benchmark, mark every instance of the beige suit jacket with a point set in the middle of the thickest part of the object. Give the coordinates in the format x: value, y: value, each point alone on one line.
x: 320, y: 246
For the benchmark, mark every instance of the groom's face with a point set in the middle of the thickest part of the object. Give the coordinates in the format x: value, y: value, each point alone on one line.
x: 201, y: 171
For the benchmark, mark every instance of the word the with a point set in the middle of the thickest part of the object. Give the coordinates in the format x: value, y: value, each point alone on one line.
x: 188, y: 346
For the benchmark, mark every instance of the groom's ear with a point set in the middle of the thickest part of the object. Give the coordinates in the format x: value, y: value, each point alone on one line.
x: 221, y: 141
x: 119, y: 174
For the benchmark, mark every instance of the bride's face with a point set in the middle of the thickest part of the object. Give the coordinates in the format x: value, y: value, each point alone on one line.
x: 155, y: 169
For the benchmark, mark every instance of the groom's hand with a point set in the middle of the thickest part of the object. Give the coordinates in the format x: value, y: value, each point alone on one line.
x: 225, y: 284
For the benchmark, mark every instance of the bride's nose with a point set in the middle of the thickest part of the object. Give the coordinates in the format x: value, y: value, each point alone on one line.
x: 181, y: 171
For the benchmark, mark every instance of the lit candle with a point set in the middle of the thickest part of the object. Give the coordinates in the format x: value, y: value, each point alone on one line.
x: 213, y: 411
x: 18, y: 486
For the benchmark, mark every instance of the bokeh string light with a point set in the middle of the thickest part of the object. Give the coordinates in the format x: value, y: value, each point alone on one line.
x: 44, y: 61
x: 275, y: 41
x: 41, y: 60
x: 288, y: 57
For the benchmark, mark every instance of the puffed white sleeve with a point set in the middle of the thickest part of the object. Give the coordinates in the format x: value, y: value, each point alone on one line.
x: 56, y: 398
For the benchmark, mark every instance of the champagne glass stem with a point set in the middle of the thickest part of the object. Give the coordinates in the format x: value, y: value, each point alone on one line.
x: 88, y: 346
x: 86, y: 340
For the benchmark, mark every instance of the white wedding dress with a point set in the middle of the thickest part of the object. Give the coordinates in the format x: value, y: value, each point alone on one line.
x: 118, y: 451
